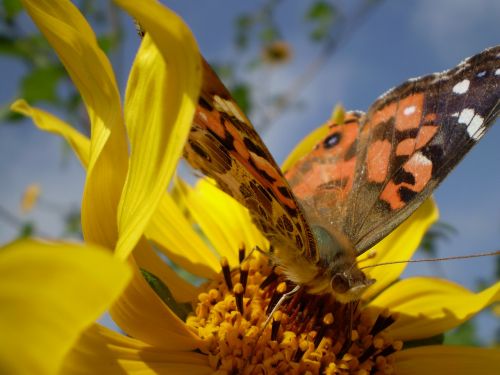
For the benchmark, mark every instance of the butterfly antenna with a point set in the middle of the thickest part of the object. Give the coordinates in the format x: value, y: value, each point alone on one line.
x: 370, y: 255
x: 491, y: 253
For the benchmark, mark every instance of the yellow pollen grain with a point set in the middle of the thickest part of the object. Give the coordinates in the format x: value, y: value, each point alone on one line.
x: 277, y: 316
x: 397, y: 345
x: 213, y: 294
x: 354, y: 335
x: 328, y: 319
x: 238, y: 288
x: 378, y: 342
x: 245, y: 266
x: 281, y: 288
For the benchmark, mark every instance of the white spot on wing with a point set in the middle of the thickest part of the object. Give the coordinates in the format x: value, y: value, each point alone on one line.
x: 409, y: 110
x: 420, y: 159
x: 473, y: 121
x: 481, y: 74
x: 497, y: 72
x: 461, y: 87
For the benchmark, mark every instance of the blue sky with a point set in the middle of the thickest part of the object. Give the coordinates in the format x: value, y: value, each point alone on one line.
x: 401, y: 39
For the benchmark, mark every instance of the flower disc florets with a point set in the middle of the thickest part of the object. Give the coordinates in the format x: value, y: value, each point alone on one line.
x: 308, y: 333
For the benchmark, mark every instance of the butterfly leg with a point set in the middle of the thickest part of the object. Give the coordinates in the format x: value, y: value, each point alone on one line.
x: 350, y: 309
x: 280, y: 302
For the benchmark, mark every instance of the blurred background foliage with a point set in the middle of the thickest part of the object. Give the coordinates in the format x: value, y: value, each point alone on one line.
x: 258, y: 44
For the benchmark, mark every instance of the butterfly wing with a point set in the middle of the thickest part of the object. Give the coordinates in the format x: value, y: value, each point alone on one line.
x: 324, y: 178
x: 224, y: 146
x: 407, y: 143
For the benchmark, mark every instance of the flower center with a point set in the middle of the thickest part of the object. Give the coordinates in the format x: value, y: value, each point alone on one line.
x: 308, y: 333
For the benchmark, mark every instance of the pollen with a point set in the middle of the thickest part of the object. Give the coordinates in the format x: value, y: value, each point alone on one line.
x: 306, y: 334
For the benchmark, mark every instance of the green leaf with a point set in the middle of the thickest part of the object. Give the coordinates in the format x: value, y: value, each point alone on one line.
x: 224, y: 71
x: 241, y: 40
x: 182, y: 310
x: 12, y: 8
x: 465, y: 334
x: 109, y: 42
x: 434, y: 340
x: 497, y: 270
x: 318, y: 34
x: 6, y: 115
x: 26, y: 230
x: 320, y: 10
x: 243, y: 25
x: 244, y: 21
x: 268, y: 34
x: 241, y: 94
x: 439, y: 231
x: 72, y: 222
x: 323, y: 15
x: 33, y: 49
x: 41, y: 84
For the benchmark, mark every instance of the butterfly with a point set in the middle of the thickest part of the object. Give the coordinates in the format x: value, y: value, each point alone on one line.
x: 368, y: 174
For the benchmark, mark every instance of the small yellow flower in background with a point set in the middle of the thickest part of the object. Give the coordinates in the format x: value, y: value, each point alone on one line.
x: 30, y: 198
x: 126, y: 210
x: 277, y: 52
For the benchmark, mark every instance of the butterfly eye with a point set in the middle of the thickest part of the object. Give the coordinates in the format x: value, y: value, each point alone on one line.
x: 340, y: 283
x: 332, y: 140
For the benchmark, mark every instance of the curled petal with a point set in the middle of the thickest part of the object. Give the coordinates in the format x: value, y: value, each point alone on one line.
x: 49, y: 294
x: 47, y: 122
x: 90, y: 70
x: 430, y: 306
x: 162, y: 95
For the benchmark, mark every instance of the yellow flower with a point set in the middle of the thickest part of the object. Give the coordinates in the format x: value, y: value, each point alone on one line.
x: 277, y: 52
x: 125, y: 208
x: 30, y: 197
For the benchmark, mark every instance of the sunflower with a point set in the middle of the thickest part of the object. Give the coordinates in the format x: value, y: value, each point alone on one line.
x: 169, y: 325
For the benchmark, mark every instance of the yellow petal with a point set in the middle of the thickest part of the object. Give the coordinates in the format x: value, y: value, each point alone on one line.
x: 438, y: 360
x: 305, y: 146
x: 208, y: 222
x: 162, y: 95
x: 140, y: 313
x: 400, y: 244
x: 233, y: 217
x: 220, y: 218
x: 49, y: 293
x: 176, y: 237
x: 74, y: 41
x: 102, y: 351
x: 430, y: 306
x: 147, y: 259
x: 47, y: 122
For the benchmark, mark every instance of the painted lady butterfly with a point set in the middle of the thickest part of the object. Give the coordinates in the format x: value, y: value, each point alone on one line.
x: 361, y: 181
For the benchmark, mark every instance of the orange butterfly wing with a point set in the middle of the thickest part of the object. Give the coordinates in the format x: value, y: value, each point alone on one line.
x: 224, y: 146
x: 369, y: 175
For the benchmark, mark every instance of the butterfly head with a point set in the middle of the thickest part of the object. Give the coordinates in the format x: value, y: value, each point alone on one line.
x: 338, y: 265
